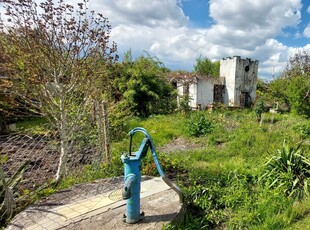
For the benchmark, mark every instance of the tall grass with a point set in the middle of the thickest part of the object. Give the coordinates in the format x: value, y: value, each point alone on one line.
x: 221, y: 185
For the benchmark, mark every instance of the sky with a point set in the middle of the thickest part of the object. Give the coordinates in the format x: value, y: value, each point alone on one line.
x: 178, y: 32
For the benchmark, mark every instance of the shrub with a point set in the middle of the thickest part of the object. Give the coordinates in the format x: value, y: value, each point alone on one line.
x: 9, y: 191
x: 303, y: 129
x: 184, y: 106
x: 289, y: 171
x: 203, y: 207
x: 259, y: 109
x: 199, y: 125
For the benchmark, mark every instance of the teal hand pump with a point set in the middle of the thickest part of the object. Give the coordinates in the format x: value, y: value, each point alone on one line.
x: 132, y: 176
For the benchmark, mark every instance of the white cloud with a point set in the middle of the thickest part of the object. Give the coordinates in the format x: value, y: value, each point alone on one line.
x: 242, y: 27
x: 152, y: 13
x: 307, y: 31
x: 308, y: 10
x: 249, y: 15
x: 246, y: 24
x: 245, y: 28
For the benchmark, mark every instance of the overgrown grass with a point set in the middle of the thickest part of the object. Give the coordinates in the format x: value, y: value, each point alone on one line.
x: 221, y: 179
x: 37, y: 125
x: 222, y: 189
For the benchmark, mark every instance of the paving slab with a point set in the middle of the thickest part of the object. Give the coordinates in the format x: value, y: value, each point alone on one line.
x: 104, y: 211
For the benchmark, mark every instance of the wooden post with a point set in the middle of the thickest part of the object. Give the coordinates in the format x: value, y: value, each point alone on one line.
x: 106, y: 132
x: 99, y: 120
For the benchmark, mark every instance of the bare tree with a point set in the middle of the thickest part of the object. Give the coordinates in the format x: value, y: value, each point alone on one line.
x: 299, y: 63
x: 58, y: 54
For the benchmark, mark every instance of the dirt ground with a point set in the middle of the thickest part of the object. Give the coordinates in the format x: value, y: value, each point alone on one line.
x: 178, y: 145
x: 36, y: 149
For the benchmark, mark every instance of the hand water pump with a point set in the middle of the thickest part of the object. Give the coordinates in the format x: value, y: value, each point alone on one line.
x: 132, y: 176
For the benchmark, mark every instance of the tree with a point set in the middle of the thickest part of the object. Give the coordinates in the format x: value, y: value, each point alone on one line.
x: 293, y: 86
x: 143, y: 86
x: 57, y: 54
x: 299, y: 64
x: 206, y: 67
x: 12, y: 107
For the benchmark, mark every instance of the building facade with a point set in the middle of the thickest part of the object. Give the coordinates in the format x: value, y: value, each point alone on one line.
x: 235, y: 87
x: 240, y: 80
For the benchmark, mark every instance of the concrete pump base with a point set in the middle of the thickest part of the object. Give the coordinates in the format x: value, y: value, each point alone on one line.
x: 159, y: 203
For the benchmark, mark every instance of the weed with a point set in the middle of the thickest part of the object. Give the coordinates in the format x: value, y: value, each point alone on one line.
x: 9, y: 192
x: 199, y: 125
x: 289, y: 170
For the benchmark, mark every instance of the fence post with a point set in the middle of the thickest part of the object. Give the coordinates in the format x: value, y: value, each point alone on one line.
x: 106, y: 132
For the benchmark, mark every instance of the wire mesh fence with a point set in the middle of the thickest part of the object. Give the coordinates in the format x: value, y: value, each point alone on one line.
x: 30, y: 164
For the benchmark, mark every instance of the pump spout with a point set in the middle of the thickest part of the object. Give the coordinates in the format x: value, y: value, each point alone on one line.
x: 128, y: 186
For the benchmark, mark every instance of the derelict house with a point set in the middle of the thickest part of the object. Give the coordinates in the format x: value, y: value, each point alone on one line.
x: 235, y: 87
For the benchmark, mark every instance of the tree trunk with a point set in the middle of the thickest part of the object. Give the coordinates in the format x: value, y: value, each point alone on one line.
x: 62, y: 129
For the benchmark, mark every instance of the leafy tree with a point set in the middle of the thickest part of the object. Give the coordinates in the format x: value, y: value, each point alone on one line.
x: 143, y: 87
x: 57, y: 55
x: 293, y: 87
x: 205, y: 66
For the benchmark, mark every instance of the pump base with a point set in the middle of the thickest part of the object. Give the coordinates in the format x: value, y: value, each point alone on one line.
x: 125, y: 220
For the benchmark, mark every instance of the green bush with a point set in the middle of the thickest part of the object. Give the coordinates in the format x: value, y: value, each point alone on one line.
x: 289, y: 171
x: 204, y: 206
x: 184, y: 106
x: 259, y: 109
x: 303, y: 129
x: 199, y: 125
x: 142, y: 86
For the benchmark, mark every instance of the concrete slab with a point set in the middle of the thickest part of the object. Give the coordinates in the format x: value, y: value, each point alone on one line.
x: 159, y: 202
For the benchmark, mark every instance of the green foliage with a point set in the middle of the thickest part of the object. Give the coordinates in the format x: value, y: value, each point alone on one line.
x: 289, y: 171
x: 184, y: 106
x: 144, y: 89
x: 303, y: 129
x: 259, y: 109
x: 206, y: 67
x: 234, y: 200
x: 163, y: 128
x: 9, y: 192
x: 300, y: 215
x: 199, y: 125
x: 93, y: 172
x: 204, y: 205
x: 294, y: 84
x: 220, y: 176
x: 260, y: 209
x: 118, y: 121
x: 298, y: 94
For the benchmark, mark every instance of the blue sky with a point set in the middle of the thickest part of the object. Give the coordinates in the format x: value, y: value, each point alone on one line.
x: 178, y: 32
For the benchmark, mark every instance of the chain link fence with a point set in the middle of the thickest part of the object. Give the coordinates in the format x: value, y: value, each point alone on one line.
x: 30, y: 161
